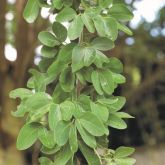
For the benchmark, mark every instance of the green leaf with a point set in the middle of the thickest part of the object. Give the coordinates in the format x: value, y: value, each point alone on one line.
x: 124, y: 28
x: 116, y: 122
x: 99, y: 25
x: 67, y: 80
x: 126, y: 161
x: 111, y: 27
x: 39, y: 113
x: 89, y: 154
x: 62, y: 132
x: 87, y: 138
x: 67, y: 108
x: 73, y: 139
x: 65, y: 54
x: 77, y: 58
x: 31, y: 11
x: 38, y: 80
x: 45, y: 161
x: 76, y: 27
x: 54, y: 69
x: 46, y: 137
x: 50, y: 151
x: 58, y: 4
x: 54, y: 116
x: 63, y: 156
x: 38, y: 100
x: 27, y: 136
x: 106, y: 81
x: 22, y: 93
x: 89, y: 56
x: 68, y: 2
x: 118, y: 78
x: 48, y: 52
x: 92, y: 124
x: 100, y: 111
x: 117, y: 105
x: 100, y: 59
x: 48, y: 39
x: 21, y: 110
x: 115, y: 65
x: 59, y: 95
x: 67, y: 14
x: 108, y: 101
x: 102, y: 43
x: 96, y: 82
x: 124, y: 115
x: 122, y: 152
x: 105, y: 3
x: 88, y: 22
x: 120, y: 12
x: 60, y: 31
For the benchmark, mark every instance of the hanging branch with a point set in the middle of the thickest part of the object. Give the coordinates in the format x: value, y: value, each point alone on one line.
x: 75, y: 117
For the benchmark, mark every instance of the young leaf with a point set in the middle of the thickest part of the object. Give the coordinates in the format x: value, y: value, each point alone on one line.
x: 31, y: 11
x: 48, y: 39
x: 115, y: 122
x: 92, y: 124
x: 61, y: 132
x: 96, y: 82
x: 89, y: 154
x: 122, y: 152
x: 102, y: 43
x: 27, y: 136
x: 67, y: 14
x: 73, y: 139
x: 60, y: 31
x: 87, y: 138
x: 67, y: 80
x: 75, y: 29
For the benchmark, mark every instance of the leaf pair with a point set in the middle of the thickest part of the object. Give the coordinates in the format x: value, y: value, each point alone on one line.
x: 120, y: 156
x: 29, y: 134
x: 103, y: 82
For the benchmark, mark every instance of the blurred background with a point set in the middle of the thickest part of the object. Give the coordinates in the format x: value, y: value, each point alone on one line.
x: 143, y: 55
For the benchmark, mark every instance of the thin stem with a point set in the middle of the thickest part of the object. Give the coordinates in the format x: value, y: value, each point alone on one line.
x: 35, y: 155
